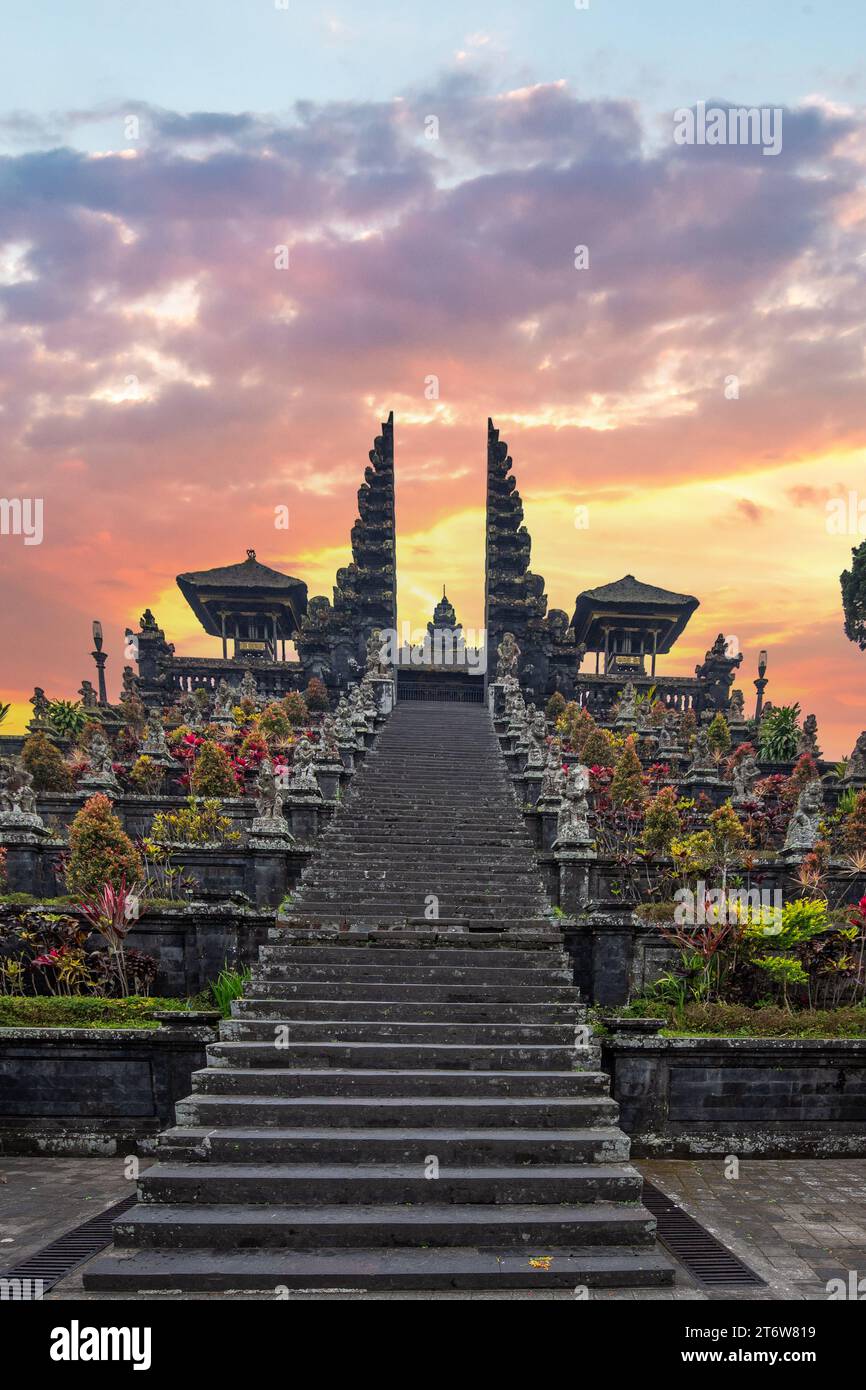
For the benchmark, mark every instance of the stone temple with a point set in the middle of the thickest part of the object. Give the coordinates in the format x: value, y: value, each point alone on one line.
x: 432, y: 887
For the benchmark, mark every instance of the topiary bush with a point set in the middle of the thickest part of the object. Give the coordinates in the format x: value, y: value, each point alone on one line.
x: 296, y: 709
x: 213, y: 774
x: 316, y: 696
x: 627, y: 787
x: 100, y: 850
x: 555, y: 705
x: 45, y: 764
x: 597, y: 750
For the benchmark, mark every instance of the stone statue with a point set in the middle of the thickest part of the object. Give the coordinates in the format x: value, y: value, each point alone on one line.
x: 154, y: 745
x: 17, y: 798
x: 39, y: 701
x: 269, y: 795
x: 248, y: 690
x: 716, y: 674
x: 507, y: 657
x: 375, y: 664
x: 855, y: 772
x: 537, y: 734
x: 626, y: 715
x: 803, y: 827
x: 553, y: 781
x: 20, y: 822
x: 224, y: 702
x: 327, y: 749
x: 702, y: 756
x: 736, y: 707
x: 572, y: 826
x: 746, y: 774
x: 89, y: 699
x: 100, y: 773
x: 302, y: 783
x: 809, y: 737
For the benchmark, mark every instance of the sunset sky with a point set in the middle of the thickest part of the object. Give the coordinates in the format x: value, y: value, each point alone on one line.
x: 164, y: 387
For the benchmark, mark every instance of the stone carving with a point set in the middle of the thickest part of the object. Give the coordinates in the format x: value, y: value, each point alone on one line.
x: 809, y: 737
x: 19, y: 819
x: 248, y: 690
x: 626, y: 715
x: 154, y: 745
x: 327, y: 749
x: 302, y: 783
x: 269, y: 794
x: 507, y: 657
x: 39, y: 718
x: 746, y: 774
x: 89, y: 698
x: 224, y: 703
x: 100, y: 774
x: 803, y: 827
x: 702, y: 762
x: 716, y: 674
x: 855, y: 772
x: 375, y: 664
x: 553, y: 781
x: 17, y: 797
x: 572, y: 826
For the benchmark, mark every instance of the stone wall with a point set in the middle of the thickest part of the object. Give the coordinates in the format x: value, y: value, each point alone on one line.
x: 93, y: 1090
x: 758, y: 1097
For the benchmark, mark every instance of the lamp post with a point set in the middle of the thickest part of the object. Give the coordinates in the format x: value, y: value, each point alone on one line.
x: 761, y: 683
x: 100, y: 657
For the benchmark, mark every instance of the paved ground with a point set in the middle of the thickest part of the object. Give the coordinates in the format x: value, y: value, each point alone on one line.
x: 797, y: 1223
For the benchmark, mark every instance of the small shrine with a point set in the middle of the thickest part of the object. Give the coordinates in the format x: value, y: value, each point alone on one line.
x: 628, y: 623
x: 254, y: 607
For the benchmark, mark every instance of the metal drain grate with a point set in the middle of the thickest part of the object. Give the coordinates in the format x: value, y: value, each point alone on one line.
x: 47, y: 1267
x: 706, y: 1259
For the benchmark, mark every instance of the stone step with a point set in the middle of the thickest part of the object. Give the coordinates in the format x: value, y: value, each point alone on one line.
x: 400, y: 954
x: 318, y: 1081
x: 367, y: 1011
x: 290, y: 1030
x: 589, y: 1150
x: 401, y: 1056
x: 415, y: 1112
x: 426, y: 936
x: 423, y: 974
x: 374, y: 919
x: 482, y: 993
x: 378, y: 1268
x: 349, y: 1225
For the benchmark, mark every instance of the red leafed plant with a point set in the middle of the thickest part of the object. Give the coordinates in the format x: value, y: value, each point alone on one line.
x: 112, y: 912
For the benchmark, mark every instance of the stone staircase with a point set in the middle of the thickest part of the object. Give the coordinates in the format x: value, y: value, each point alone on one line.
x: 401, y: 1101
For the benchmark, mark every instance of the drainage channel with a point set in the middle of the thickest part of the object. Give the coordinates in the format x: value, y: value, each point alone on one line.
x: 48, y: 1266
x: 706, y: 1259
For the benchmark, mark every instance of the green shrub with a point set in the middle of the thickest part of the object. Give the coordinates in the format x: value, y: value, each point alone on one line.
x: 198, y: 822
x: 555, y: 705
x: 719, y: 735
x: 100, y: 850
x: 213, y: 774
x: 627, y: 788
x: 45, y: 764
x: 661, y: 822
x: 597, y: 750
x: 296, y: 710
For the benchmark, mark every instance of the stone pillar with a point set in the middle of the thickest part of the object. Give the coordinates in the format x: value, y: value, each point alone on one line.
x: 574, y: 878
x: 612, y: 955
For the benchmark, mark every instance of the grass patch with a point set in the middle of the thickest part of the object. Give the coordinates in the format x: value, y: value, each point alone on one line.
x: 742, y: 1021
x: 83, y: 1011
